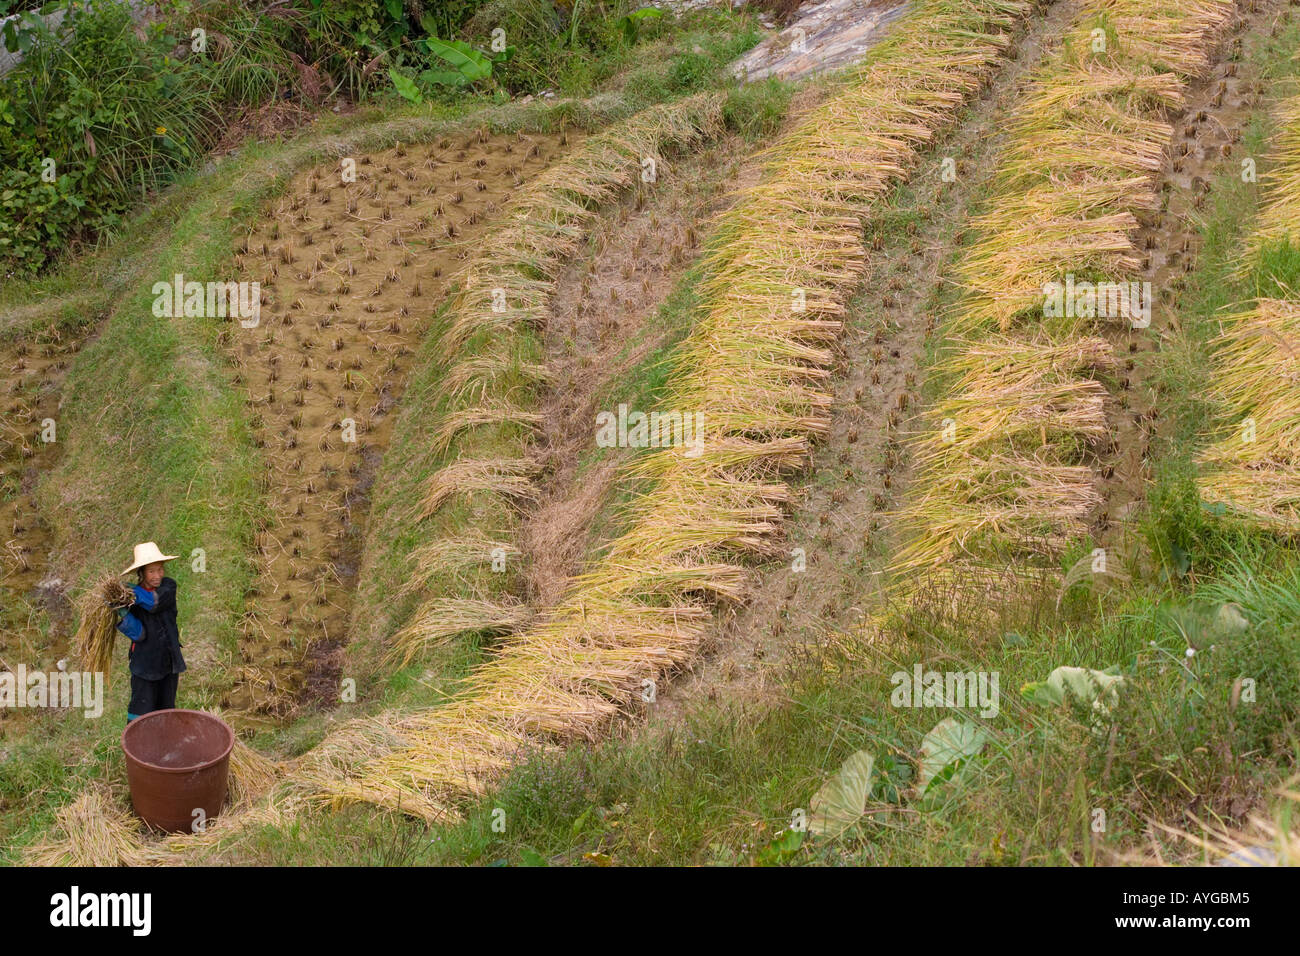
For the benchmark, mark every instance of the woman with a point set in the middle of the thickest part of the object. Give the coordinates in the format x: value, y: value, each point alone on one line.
x: 150, y: 623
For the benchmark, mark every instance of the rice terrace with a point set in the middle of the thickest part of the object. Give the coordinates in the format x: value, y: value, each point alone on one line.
x: 597, y: 433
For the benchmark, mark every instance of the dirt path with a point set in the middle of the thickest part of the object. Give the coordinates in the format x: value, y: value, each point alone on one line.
x: 860, y: 468
x: 350, y: 274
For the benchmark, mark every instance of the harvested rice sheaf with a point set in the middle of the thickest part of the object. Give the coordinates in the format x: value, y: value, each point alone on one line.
x: 1096, y: 120
x: 251, y: 774
x: 92, y: 830
x: 1001, y: 468
x: 505, y: 476
x: 276, y: 809
x: 510, y: 279
x: 503, y: 296
x: 1252, y: 471
x: 97, y: 628
x: 438, y: 623
x: 1279, y: 219
x: 1007, y: 473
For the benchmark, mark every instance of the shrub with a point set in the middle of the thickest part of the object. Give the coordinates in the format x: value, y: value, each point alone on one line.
x: 98, y: 114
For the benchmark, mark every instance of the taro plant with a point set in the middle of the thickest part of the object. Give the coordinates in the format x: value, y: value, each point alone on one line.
x: 458, y: 66
x: 630, y: 23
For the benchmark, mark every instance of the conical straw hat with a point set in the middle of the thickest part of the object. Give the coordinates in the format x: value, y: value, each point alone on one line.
x: 148, y: 553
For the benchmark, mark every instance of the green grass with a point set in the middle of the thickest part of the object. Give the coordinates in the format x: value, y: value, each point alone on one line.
x: 691, y: 61
x: 687, y: 54
x: 719, y: 788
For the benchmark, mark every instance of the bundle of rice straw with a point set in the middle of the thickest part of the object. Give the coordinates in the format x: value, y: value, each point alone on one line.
x: 223, y: 832
x: 97, y: 631
x: 92, y: 831
x: 98, y: 610
x: 251, y: 774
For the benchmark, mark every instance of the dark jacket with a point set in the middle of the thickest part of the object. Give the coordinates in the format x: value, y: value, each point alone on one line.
x: 157, y: 651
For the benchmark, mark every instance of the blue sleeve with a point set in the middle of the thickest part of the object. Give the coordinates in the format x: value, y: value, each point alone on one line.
x: 164, y: 599
x: 130, y: 626
x: 144, y: 599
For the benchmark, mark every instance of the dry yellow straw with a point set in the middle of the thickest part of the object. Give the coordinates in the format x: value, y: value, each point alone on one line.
x: 1252, y: 470
x: 251, y: 774
x: 97, y: 630
x: 91, y: 831
x: 487, y: 404
x: 1006, y: 473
